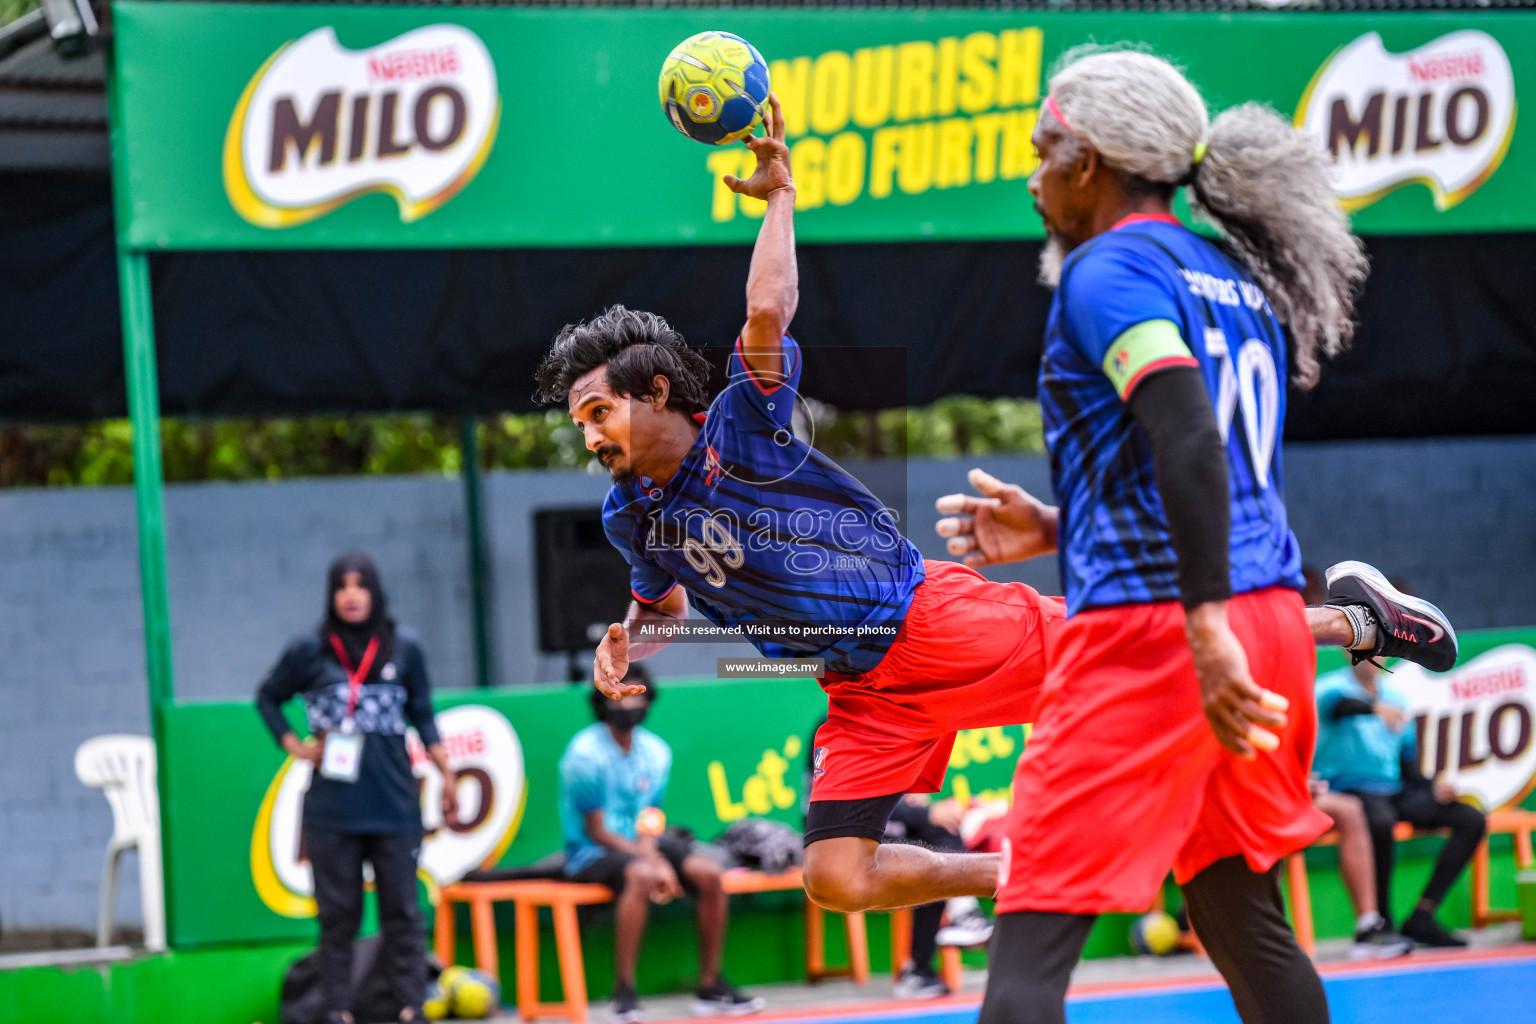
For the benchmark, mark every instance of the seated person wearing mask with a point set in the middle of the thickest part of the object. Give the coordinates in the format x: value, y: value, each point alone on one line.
x: 613, y: 781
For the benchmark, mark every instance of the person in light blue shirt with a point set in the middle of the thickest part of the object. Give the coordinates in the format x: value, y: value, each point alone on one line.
x: 613, y: 784
x: 1367, y: 747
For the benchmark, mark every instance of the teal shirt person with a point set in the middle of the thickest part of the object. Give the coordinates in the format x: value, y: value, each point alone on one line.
x: 597, y: 774
x: 1360, y: 753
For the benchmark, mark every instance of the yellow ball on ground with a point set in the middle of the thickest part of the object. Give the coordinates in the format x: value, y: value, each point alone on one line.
x: 1156, y: 933
x: 436, y: 1004
x: 473, y: 994
x: 448, y: 976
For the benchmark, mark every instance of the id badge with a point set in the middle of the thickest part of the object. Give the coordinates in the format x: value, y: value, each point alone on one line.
x: 343, y: 756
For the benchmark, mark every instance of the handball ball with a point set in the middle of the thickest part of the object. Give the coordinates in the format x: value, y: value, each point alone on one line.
x: 714, y: 88
x: 472, y: 994
x: 435, y: 1006
x: 1156, y: 933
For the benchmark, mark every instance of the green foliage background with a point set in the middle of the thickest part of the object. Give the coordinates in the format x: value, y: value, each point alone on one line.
x: 10, y: 10
x: 100, y: 453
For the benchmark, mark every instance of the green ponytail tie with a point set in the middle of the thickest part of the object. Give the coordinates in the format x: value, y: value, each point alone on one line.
x: 1199, y: 154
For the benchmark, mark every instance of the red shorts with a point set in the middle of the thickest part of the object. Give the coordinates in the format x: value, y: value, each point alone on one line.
x: 1123, y: 778
x: 973, y: 656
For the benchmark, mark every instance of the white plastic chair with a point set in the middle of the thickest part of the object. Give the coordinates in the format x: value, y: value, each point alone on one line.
x: 123, y: 768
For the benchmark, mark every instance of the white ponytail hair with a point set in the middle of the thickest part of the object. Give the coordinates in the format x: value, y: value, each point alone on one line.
x: 1260, y: 180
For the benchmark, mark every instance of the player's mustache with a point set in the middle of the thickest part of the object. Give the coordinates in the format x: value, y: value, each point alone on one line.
x: 607, y: 452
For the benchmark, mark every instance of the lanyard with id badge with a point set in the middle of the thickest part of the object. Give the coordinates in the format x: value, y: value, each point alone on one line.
x: 343, y: 756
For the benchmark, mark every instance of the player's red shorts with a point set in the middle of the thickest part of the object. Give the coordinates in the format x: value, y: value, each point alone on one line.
x: 973, y: 656
x: 1123, y: 778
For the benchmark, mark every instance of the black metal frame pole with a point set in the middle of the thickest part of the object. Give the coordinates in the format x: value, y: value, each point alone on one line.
x: 479, y: 562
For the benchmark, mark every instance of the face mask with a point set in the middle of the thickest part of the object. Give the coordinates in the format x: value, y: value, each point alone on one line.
x: 625, y: 719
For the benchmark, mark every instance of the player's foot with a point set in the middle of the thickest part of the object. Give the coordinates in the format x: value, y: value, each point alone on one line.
x: 968, y: 926
x: 722, y: 999
x: 625, y: 1008
x: 1379, y: 942
x: 1406, y: 627
x: 916, y: 984
x: 1422, y: 928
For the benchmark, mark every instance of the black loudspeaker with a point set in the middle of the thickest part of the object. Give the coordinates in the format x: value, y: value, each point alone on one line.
x: 583, y: 582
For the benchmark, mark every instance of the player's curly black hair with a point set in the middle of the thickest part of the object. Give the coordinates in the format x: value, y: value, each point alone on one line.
x: 637, y: 673
x: 636, y: 347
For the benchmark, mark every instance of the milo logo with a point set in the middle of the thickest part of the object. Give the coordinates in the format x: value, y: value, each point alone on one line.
x: 1474, y: 725
x: 319, y: 125
x: 1441, y: 115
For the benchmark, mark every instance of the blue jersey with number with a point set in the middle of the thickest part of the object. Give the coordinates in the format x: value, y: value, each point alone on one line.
x: 762, y: 529
x: 1113, y: 541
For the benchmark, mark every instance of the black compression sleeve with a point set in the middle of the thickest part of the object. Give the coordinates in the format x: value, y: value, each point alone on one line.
x: 1190, y: 463
x: 1349, y: 706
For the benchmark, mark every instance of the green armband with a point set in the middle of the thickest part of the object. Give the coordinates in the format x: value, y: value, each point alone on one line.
x: 1147, y: 346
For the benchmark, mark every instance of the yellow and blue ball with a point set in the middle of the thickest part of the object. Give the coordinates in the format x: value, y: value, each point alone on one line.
x: 714, y: 88
x: 436, y: 1005
x: 1155, y: 933
x: 472, y: 995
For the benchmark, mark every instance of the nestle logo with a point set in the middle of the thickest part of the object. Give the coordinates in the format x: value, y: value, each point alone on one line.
x: 1451, y: 65
x: 1489, y: 684
x: 408, y: 64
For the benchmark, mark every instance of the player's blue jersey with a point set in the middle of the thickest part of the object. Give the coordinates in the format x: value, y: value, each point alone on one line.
x: 762, y: 528
x: 1113, y: 541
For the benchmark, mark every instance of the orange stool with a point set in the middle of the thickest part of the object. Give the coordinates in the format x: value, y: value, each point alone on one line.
x: 1300, y: 890
x: 527, y: 897
x: 1515, y: 821
x: 563, y: 897
x: 740, y: 880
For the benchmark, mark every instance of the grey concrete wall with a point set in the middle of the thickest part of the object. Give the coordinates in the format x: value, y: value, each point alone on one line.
x: 246, y: 562
x: 1455, y: 518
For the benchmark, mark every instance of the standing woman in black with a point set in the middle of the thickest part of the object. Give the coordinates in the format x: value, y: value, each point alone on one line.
x: 362, y: 681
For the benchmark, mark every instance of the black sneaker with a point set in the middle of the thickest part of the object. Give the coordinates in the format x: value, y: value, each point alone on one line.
x: 916, y: 984
x: 1406, y: 627
x: 1422, y: 928
x: 625, y: 1008
x: 722, y: 999
x: 1380, y: 942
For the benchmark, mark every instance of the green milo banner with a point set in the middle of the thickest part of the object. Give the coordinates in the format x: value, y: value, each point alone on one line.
x: 235, y: 862
x: 277, y: 126
x: 234, y: 855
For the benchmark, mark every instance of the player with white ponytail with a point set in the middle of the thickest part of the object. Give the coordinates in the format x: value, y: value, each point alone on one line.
x: 1250, y: 172
x: 1178, y: 723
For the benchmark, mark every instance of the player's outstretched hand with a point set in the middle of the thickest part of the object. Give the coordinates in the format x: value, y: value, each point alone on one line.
x: 772, y: 154
x: 1007, y: 524
x: 612, y: 663
x: 1239, y: 711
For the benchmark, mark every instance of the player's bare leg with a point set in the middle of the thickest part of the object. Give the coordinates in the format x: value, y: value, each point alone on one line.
x: 1331, y: 627
x: 851, y: 873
